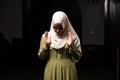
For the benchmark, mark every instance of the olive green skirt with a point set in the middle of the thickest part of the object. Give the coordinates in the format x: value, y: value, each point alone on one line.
x: 60, y: 69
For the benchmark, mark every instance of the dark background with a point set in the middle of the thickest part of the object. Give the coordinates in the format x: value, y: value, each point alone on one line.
x: 22, y: 22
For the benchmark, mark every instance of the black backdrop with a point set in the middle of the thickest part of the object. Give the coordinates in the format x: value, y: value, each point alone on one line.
x: 36, y: 19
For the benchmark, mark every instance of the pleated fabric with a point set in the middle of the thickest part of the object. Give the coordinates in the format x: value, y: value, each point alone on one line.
x: 60, y: 69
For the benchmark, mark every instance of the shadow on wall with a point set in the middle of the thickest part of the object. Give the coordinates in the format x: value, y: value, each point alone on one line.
x: 4, y: 50
x: 10, y: 52
x: 16, y: 54
x: 4, y: 43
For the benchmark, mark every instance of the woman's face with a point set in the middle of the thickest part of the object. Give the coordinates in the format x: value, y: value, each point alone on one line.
x: 58, y: 29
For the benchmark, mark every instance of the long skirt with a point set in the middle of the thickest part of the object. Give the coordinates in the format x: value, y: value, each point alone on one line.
x: 60, y: 69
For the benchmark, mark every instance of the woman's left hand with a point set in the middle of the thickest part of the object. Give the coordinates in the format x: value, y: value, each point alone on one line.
x: 69, y: 38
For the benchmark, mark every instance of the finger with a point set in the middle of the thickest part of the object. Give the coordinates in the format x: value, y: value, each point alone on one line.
x: 50, y: 39
x: 46, y: 34
x: 69, y: 33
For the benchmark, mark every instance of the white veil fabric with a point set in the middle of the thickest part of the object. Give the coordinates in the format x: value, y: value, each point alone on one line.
x: 58, y: 42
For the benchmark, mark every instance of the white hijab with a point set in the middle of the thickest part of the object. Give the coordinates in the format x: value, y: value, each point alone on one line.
x: 58, y: 42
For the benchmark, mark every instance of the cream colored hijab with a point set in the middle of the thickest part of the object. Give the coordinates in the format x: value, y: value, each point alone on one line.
x: 58, y: 42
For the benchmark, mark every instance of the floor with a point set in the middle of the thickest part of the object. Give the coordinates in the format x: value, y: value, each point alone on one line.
x: 37, y: 74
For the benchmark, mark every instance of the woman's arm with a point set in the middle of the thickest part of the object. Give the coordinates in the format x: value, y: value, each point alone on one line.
x: 43, y: 50
x: 75, y: 50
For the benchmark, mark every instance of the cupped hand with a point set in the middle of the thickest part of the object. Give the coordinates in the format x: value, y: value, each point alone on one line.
x: 69, y: 38
x: 47, y: 39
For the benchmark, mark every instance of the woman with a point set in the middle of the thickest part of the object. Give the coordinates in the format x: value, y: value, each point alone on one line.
x: 61, y: 45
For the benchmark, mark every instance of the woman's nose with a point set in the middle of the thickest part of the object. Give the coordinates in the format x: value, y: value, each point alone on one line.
x: 58, y: 30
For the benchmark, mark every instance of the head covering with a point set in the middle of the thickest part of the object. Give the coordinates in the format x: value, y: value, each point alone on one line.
x: 58, y: 42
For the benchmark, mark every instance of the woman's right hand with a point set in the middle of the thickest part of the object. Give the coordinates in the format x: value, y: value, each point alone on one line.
x: 47, y: 39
